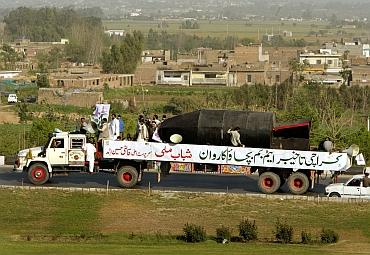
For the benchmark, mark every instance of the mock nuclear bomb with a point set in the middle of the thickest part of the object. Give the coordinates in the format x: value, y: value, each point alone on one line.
x: 211, y: 126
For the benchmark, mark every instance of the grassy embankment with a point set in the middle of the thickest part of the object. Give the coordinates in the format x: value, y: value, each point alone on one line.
x: 132, y: 222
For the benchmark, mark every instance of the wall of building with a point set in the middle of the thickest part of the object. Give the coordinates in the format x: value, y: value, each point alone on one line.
x: 61, y: 97
x: 361, y: 75
x: 145, y: 73
x: 91, y: 81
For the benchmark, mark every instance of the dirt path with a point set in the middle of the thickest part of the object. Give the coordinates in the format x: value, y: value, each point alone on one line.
x: 8, y: 114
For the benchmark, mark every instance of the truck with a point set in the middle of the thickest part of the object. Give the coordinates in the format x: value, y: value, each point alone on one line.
x: 128, y: 160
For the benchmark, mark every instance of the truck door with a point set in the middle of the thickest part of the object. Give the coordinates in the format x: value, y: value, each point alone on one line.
x: 352, y: 189
x: 365, y: 191
x: 57, y: 151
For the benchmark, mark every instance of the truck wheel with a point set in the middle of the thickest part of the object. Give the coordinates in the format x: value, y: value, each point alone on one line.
x: 127, y: 176
x: 298, y: 183
x: 269, y: 182
x: 38, y: 174
x: 165, y: 167
x: 334, y: 194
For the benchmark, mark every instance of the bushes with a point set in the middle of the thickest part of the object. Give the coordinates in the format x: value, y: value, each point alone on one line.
x: 223, y: 233
x: 283, y: 232
x: 194, y: 233
x: 248, y: 230
x: 329, y: 236
x: 306, y: 238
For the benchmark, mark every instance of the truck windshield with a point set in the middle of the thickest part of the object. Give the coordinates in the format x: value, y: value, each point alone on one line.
x: 43, y: 152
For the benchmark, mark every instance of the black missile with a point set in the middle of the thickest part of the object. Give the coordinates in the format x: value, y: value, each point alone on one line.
x: 211, y: 126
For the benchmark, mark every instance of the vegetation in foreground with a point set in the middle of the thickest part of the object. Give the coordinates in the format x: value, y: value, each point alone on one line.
x: 335, y: 113
x: 60, y: 222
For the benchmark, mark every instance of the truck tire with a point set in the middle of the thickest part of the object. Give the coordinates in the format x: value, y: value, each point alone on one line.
x: 127, y: 176
x: 334, y: 194
x: 165, y: 168
x: 38, y: 174
x: 269, y: 182
x: 298, y: 183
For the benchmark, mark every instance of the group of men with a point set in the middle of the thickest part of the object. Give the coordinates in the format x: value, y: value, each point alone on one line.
x: 147, y: 129
x: 112, y: 130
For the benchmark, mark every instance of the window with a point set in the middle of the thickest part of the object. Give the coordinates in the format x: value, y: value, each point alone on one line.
x: 249, y: 78
x: 277, y: 78
x: 330, y: 62
x: 318, y: 62
x: 57, y: 143
x: 210, y: 75
x: 76, y: 143
x: 172, y: 75
x: 186, y: 77
x: 355, y: 183
x: 159, y: 77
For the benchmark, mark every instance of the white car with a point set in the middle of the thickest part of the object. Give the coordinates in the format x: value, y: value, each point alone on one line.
x: 12, y: 98
x: 353, y: 188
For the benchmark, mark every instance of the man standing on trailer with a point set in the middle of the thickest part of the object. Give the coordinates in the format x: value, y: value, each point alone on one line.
x: 235, y: 137
x: 121, y: 125
x: 366, y: 182
x: 114, y: 127
x: 90, y: 150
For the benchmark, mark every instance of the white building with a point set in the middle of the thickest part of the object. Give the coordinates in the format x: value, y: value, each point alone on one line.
x: 323, y: 61
x: 9, y: 74
x: 115, y: 32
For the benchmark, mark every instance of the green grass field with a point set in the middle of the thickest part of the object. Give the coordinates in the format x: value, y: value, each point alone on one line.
x: 241, y: 28
x: 132, y: 222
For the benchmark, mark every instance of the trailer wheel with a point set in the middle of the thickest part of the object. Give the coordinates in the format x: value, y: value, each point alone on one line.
x: 127, y: 176
x: 334, y: 194
x: 269, y: 182
x: 38, y: 174
x: 298, y: 183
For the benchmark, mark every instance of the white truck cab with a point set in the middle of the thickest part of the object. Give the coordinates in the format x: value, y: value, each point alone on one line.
x: 62, y: 151
x: 353, y: 188
x: 65, y: 149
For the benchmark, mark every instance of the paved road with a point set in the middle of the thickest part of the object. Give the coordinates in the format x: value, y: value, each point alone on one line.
x: 179, y: 182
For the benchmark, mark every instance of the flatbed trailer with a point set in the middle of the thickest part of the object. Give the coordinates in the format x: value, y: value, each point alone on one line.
x: 274, y: 166
x: 129, y: 159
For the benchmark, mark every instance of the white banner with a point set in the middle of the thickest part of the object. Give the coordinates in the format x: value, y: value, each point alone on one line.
x: 210, y: 154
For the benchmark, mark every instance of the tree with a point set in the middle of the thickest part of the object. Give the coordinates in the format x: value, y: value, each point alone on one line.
x: 9, y: 57
x: 345, y: 74
x: 42, y: 81
x: 123, y: 58
x: 51, y: 24
x: 50, y: 60
x: 297, y: 68
x: 86, y: 41
x: 39, y: 25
